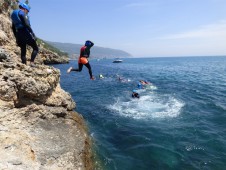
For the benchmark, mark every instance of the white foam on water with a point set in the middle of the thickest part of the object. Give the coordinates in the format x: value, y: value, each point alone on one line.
x: 151, y: 87
x: 148, y: 106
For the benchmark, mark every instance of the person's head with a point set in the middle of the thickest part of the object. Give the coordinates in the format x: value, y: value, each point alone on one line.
x: 24, y: 7
x: 88, y: 43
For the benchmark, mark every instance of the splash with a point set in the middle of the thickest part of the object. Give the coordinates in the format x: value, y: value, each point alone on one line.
x: 148, y: 106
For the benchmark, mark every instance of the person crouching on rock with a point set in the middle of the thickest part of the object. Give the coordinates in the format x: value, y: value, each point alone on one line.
x: 23, y: 32
x: 83, y: 59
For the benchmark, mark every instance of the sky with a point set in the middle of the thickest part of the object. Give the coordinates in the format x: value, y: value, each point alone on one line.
x: 143, y: 28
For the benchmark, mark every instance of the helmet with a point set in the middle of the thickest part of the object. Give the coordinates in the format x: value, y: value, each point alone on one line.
x: 24, y: 6
x: 88, y: 43
x: 134, y: 91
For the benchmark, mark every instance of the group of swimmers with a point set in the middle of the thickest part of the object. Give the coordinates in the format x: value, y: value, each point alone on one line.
x: 141, y: 85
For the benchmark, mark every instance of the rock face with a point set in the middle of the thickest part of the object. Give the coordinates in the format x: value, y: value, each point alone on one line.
x: 38, y: 127
x: 42, y: 137
x: 50, y: 57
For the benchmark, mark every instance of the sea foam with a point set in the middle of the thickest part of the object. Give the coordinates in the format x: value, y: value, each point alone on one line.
x: 148, y: 106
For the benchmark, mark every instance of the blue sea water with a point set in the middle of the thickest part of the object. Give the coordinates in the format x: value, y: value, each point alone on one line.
x: 178, y: 123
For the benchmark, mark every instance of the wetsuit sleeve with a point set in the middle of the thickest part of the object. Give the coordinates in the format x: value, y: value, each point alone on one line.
x: 92, y: 44
x: 87, y: 50
x: 14, y: 32
x: 14, y: 29
x: 26, y: 22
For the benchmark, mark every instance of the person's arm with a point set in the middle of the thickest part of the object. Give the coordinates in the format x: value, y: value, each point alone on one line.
x: 24, y: 19
x: 87, y: 50
x: 92, y: 44
x: 14, y: 30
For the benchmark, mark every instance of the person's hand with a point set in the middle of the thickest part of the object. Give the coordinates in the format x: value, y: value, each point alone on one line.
x: 17, y: 42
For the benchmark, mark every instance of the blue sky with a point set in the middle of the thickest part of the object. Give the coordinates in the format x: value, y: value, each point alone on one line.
x: 143, y: 28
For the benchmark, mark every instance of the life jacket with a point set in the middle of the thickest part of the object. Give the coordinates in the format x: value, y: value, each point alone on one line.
x: 16, y: 19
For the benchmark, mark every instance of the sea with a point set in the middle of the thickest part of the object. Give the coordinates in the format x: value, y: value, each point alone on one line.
x: 178, y: 123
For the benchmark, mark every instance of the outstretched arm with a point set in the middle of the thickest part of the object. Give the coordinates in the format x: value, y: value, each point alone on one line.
x: 87, y: 49
x: 90, y: 46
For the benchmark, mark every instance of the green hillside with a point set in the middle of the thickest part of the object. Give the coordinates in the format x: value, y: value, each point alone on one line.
x: 97, y: 52
x: 52, y: 48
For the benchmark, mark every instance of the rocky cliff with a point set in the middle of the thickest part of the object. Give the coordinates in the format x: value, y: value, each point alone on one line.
x: 38, y: 127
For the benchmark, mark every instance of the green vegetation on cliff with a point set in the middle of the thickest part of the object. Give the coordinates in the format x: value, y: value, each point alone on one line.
x: 50, y: 47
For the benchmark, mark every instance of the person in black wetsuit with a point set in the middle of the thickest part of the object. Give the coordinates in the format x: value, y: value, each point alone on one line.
x: 23, y: 32
x: 83, y: 59
x: 135, y: 94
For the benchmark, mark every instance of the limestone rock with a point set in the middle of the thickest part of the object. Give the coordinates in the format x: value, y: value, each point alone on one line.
x: 3, y: 55
x: 38, y: 127
x: 34, y: 137
x: 50, y: 57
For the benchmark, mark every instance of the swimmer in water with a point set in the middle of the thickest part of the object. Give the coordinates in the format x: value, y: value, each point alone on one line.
x: 135, y: 94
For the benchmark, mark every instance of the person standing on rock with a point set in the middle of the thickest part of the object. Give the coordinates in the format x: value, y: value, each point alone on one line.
x: 83, y: 59
x: 23, y: 32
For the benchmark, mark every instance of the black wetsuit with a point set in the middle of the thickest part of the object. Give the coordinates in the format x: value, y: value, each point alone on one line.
x: 135, y: 95
x: 24, y: 34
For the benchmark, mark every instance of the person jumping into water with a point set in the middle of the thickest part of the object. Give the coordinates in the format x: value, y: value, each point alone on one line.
x: 83, y: 59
